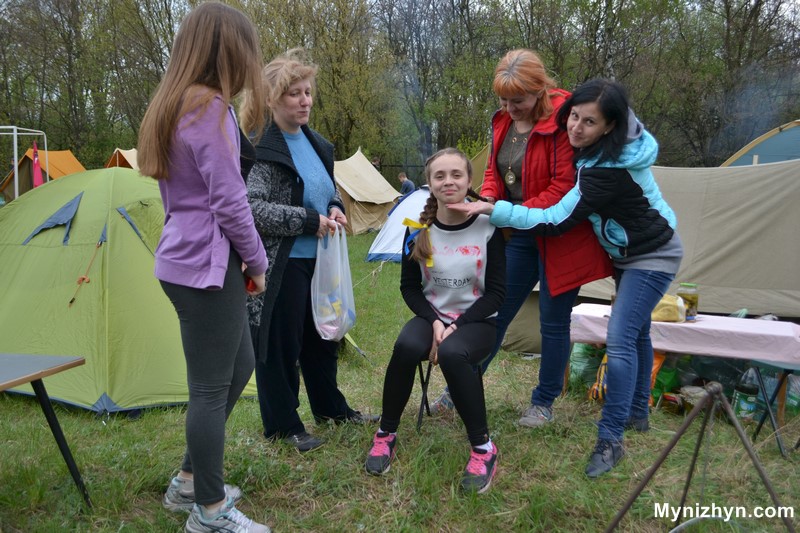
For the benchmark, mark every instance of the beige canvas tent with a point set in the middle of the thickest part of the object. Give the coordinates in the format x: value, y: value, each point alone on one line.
x: 367, y: 196
x: 739, y: 228
x: 479, y: 162
x: 123, y: 158
x: 55, y: 164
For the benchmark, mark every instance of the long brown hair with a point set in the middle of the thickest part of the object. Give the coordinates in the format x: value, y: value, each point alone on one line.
x: 521, y: 71
x: 423, y: 250
x: 216, y: 52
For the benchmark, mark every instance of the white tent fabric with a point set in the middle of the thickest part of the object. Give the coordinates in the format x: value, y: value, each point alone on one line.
x: 739, y: 227
x: 388, y: 245
x: 367, y: 196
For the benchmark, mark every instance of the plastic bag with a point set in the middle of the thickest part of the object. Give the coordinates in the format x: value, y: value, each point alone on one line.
x: 332, y: 301
x: 597, y: 391
x: 669, y: 309
x: 658, y: 362
x: 583, y: 363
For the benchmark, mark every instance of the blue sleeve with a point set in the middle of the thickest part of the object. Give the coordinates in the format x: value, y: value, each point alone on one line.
x: 588, y: 195
x: 554, y: 220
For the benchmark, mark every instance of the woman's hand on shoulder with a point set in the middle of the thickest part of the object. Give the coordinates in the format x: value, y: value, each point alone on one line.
x: 473, y: 208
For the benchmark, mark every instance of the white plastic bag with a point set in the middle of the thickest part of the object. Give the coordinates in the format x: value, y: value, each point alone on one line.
x: 332, y: 301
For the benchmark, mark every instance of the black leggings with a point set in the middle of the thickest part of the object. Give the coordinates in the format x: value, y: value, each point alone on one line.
x: 459, y: 354
x: 293, y: 339
x: 219, y: 363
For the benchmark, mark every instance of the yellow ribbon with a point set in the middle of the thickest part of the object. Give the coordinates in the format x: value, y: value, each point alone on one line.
x: 414, y: 224
x: 417, y: 228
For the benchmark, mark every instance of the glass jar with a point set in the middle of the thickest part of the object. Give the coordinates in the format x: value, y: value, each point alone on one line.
x: 691, y: 296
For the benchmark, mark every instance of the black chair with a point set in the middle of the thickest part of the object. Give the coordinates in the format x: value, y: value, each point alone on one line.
x: 424, y: 380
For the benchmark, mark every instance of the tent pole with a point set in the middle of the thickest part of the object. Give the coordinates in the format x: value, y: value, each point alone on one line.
x: 46, y: 157
x: 16, y: 162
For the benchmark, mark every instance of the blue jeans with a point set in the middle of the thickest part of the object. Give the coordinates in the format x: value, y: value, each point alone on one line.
x: 629, y: 350
x: 524, y: 268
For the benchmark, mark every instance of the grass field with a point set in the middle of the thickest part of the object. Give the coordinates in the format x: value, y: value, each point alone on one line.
x: 540, y: 485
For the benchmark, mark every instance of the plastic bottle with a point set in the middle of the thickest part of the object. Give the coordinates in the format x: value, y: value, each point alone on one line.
x: 691, y: 297
x: 745, y: 396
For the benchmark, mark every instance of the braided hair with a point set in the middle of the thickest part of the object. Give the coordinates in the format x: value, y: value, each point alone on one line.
x: 422, y: 249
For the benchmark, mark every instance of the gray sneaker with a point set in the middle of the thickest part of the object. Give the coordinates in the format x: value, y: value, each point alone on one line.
x: 179, y: 497
x: 229, y: 519
x: 442, y: 404
x: 536, y: 416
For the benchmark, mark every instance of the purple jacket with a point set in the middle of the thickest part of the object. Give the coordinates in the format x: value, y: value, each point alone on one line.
x: 205, y: 204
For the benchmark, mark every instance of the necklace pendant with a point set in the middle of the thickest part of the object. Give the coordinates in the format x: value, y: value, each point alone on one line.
x: 510, y: 177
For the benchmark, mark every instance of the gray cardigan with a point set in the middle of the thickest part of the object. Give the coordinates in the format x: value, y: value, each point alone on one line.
x: 275, y: 193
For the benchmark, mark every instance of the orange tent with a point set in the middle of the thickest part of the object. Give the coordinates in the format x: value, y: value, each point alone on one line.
x: 123, y: 158
x: 55, y: 164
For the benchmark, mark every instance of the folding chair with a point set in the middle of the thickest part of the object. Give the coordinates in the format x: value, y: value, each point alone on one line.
x: 423, y: 404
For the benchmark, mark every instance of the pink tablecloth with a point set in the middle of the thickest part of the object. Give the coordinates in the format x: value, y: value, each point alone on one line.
x: 773, y: 342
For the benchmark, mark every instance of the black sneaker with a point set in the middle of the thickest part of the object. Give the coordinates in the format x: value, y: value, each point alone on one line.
x: 304, y: 441
x: 605, y: 456
x: 642, y: 425
x: 480, y: 470
x: 381, y: 454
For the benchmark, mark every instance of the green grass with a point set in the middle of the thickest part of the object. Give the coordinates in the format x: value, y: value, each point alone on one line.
x: 540, y: 485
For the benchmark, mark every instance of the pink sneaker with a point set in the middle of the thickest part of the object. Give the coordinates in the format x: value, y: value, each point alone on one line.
x: 380, y: 456
x: 480, y: 470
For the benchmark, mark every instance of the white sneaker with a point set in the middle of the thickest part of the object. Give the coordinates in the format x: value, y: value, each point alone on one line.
x: 229, y: 520
x: 180, y: 495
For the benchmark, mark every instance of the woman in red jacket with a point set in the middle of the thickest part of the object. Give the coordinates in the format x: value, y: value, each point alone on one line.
x: 530, y: 163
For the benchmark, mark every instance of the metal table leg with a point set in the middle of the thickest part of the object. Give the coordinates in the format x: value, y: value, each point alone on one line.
x: 55, y: 428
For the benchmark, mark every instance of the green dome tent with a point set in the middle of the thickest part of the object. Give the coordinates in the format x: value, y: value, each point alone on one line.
x: 76, y: 264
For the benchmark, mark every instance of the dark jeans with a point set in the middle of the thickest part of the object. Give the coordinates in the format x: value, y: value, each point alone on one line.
x: 219, y: 363
x: 525, y: 268
x: 293, y: 339
x: 629, y: 350
x: 459, y: 354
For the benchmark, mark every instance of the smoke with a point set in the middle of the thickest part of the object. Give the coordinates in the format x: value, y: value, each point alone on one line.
x: 760, y: 99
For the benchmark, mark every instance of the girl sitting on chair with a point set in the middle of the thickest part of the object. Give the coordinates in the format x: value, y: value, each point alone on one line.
x: 453, y: 279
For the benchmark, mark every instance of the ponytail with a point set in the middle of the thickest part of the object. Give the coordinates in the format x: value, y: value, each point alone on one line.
x: 423, y: 251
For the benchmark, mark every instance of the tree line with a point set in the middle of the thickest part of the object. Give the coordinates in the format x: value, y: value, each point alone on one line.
x: 402, y: 78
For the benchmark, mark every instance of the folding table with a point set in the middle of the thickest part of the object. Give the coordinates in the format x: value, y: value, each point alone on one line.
x: 772, y: 342
x: 18, y: 369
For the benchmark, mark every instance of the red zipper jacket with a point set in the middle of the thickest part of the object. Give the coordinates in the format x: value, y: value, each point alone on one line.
x: 576, y: 257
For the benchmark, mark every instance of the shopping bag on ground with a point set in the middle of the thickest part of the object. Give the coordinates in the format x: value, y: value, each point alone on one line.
x: 332, y: 302
x: 599, y: 388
